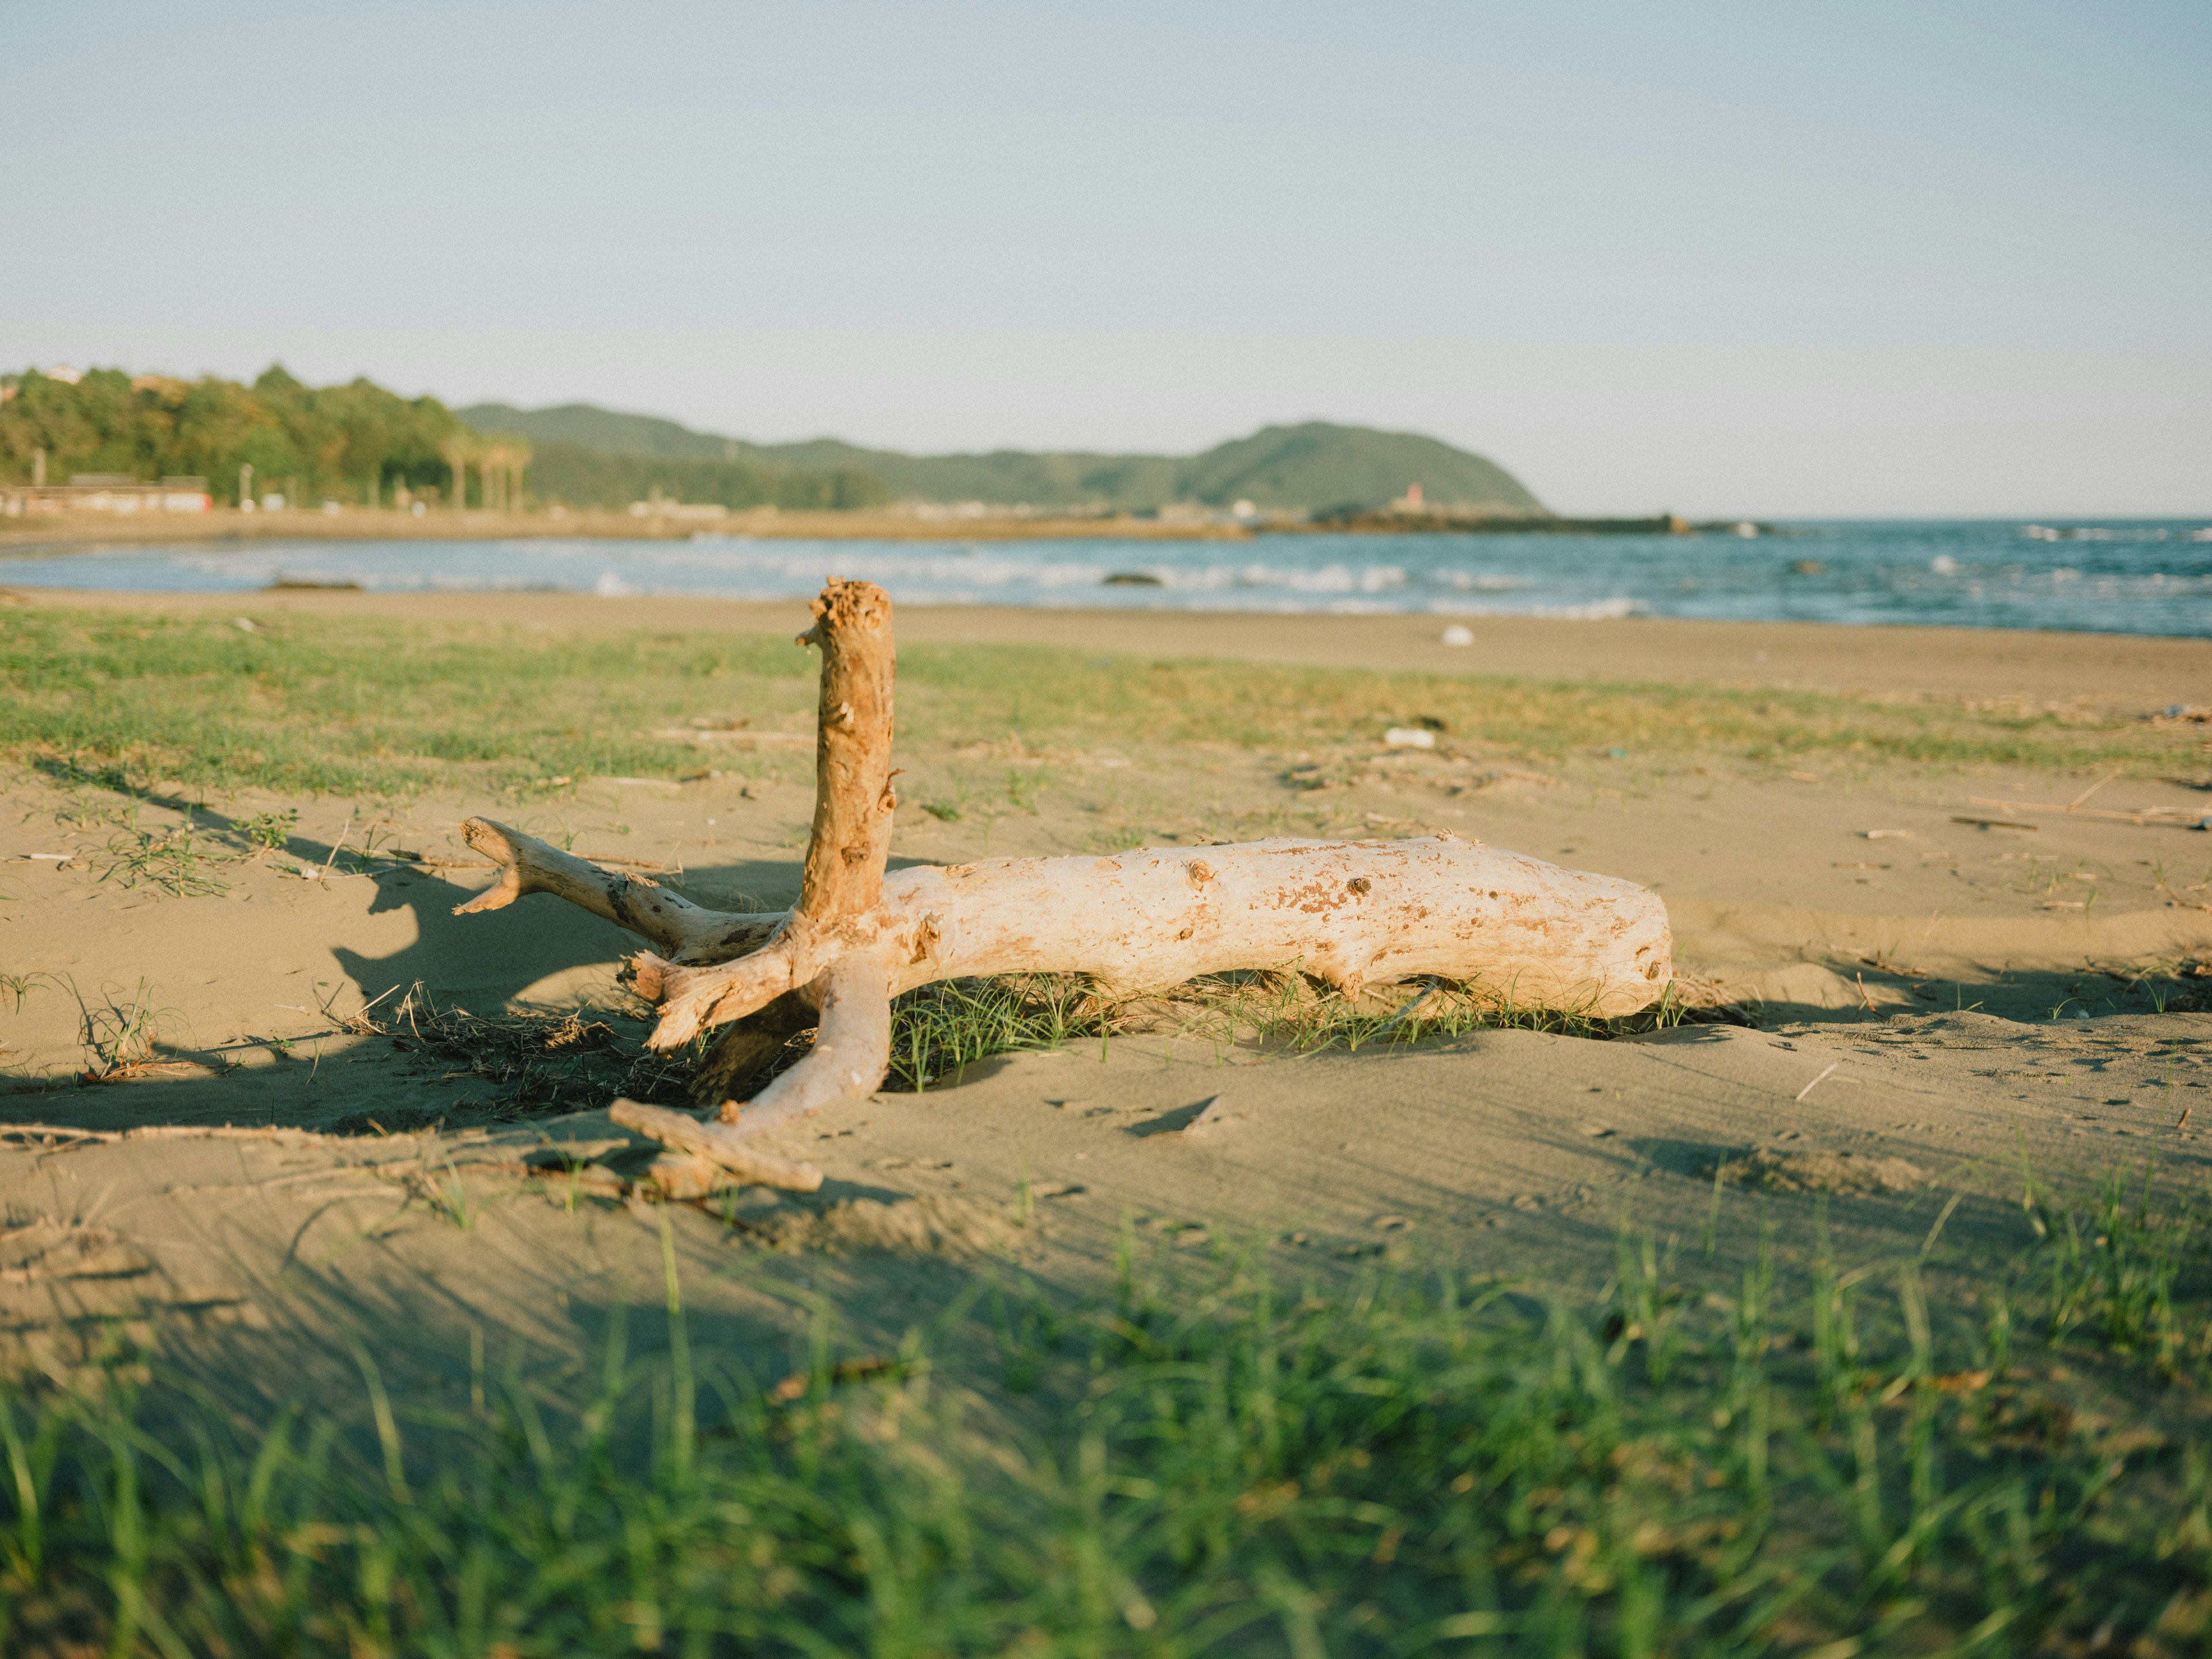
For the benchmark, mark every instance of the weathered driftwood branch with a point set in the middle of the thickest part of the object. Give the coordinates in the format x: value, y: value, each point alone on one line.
x: 1348, y: 914
x: 671, y: 922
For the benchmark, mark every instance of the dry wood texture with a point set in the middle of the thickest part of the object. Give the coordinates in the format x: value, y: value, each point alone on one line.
x: 852, y: 797
x: 1348, y: 914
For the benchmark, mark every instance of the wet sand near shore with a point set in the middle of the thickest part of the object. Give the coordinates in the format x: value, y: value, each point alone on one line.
x: 1935, y: 1002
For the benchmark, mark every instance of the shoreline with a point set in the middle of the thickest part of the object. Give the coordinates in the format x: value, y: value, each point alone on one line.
x: 385, y: 524
x: 2042, y: 669
x: 60, y: 532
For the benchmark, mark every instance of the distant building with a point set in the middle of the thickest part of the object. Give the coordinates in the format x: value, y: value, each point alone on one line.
x: 12, y: 385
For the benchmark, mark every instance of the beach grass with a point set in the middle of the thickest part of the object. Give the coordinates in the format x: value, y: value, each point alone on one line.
x: 312, y: 704
x: 1225, y: 1454
x: 940, y: 1028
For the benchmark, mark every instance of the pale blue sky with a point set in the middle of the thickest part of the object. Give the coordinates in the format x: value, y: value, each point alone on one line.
x: 1870, y: 258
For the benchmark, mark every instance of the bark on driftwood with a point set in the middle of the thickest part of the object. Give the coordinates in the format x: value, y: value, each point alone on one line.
x: 1349, y: 913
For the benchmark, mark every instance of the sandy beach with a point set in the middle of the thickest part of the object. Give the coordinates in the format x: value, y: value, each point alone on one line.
x: 1902, y: 969
x: 1378, y: 837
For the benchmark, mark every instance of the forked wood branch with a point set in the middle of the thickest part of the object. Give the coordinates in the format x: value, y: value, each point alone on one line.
x: 1348, y: 914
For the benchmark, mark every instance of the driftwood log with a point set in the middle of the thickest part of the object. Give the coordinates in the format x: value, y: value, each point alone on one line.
x: 1347, y: 914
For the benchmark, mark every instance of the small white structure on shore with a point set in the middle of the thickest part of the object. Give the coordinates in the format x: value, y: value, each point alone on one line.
x: 682, y: 512
x: 108, y: 492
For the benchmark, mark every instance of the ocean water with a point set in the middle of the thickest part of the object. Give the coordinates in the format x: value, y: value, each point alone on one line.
x: 2129, y: 577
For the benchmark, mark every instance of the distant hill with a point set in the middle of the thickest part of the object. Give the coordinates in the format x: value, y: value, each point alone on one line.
x: 602, y: 429
x: 1306, y: 468
x: 1319, y: 465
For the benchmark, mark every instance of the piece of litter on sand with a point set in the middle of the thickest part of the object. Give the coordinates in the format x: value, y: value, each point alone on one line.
x: 1596, y: 1131
x: 1816, y: 1082
x: 1887, y: 834
x: 1457, y: 635
x: 1410, y: 737
x: 245, y: 625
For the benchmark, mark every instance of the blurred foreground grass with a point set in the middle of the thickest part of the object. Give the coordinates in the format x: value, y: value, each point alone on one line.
x: 323, y: 704
x: 1210, y: 1457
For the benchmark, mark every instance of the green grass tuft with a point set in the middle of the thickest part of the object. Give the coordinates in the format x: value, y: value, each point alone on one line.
x: 939, y: 1029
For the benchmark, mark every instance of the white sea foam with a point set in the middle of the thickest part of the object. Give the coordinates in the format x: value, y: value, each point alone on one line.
x: 1621, y: 605
x: 1605, y: 610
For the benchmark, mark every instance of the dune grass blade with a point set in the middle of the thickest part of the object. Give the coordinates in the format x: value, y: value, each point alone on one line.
x: 1212, y: 1457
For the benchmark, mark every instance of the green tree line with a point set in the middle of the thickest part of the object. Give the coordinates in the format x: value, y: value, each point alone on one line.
x: 339, y: 441
x: 354, y: 442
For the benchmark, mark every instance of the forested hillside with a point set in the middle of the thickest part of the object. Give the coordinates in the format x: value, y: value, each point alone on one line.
x: 353, y: 443
x: 1302, y: 468
x: 588, y: 477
